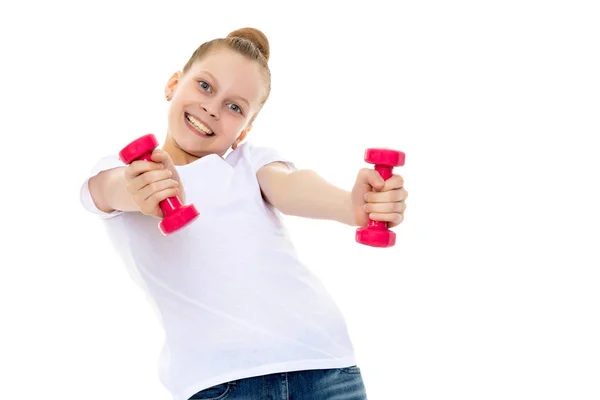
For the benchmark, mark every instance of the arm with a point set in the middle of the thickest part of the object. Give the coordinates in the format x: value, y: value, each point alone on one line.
x: 109, y: 191
x: 303, y: 193
x: 140, y: 186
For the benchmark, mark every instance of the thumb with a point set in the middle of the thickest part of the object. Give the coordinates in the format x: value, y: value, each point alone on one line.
x: 371, y: 177
x: 161, y: 156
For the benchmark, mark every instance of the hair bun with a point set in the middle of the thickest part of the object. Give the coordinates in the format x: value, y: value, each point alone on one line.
x: 255, y: 36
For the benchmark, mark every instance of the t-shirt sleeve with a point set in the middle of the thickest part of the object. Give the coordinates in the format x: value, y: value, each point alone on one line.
x: 261, y: 155
x: 104, y: 164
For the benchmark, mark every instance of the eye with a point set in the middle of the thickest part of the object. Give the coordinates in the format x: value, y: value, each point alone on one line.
x: 235, y: 108
x: 204, y: 85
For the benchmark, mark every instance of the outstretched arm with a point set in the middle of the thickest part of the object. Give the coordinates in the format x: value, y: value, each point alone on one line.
x: 304, y: 193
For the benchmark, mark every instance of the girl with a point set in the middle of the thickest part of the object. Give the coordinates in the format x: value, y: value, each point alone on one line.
x: 243, y: 318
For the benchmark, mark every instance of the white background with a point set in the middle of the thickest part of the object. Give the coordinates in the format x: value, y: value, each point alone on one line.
x: 492, y: 289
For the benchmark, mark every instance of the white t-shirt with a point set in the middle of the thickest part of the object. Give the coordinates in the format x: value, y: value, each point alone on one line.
x: 229, y: 290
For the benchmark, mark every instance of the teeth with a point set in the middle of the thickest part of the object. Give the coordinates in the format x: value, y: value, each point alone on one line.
x: 198, y: 124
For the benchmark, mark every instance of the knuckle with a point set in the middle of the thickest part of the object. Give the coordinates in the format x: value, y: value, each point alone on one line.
x: 157, y: 196
x: 148, y: 177
x: 135, y: 167
x: 154, y: 187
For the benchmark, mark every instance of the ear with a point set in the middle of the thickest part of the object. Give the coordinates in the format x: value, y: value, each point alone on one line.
x: 244, y: 133
x: 172, y: 85
x: 241, y: 137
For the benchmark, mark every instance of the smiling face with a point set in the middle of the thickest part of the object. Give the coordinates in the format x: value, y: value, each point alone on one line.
x: 212, y: 105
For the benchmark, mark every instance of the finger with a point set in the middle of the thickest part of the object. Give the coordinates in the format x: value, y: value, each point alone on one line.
x: 386, y: 197
x: 138, y: 167
x: 157, y: 156
x: 391, y: 218
x: 395, y: 207
x: 372, y: 178
x: 149, y: 190
x: 149, y: 206
x: 399, y: 219
x: 159, y: 196
x: 160, y: 156
x: 394, y: 182
x: 145, y: 179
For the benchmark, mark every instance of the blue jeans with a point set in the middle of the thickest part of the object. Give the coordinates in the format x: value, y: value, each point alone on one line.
x: 318, y: 384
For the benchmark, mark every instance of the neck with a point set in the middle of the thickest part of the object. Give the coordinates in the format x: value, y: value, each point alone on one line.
x: 177, y: 154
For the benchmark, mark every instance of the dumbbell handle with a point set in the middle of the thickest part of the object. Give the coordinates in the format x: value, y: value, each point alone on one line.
x: 386, y: 173
x: 170, y: 204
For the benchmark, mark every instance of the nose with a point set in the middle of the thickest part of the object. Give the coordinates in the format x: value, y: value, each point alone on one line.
x: 210, y: 109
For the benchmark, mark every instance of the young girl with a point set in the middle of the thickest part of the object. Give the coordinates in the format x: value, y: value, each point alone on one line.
x: 243, y: 318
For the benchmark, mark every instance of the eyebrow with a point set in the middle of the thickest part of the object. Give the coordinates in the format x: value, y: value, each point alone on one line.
x: 239, y: 97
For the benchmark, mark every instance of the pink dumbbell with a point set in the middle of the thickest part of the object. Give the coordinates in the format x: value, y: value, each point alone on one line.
x: 177, y: 215
x: 377, y: 234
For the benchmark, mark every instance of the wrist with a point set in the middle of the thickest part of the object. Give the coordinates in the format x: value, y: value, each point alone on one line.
x: 345, y: 209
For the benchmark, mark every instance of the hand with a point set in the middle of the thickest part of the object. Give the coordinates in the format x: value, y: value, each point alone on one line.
x: 150, y: 182
x: 378, y: 199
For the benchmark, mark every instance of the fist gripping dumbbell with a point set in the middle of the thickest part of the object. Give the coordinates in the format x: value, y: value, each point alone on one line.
x: 177, y: 215
x: 376, y: 233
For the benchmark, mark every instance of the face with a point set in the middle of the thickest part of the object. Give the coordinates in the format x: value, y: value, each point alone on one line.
x: 212, y: 105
